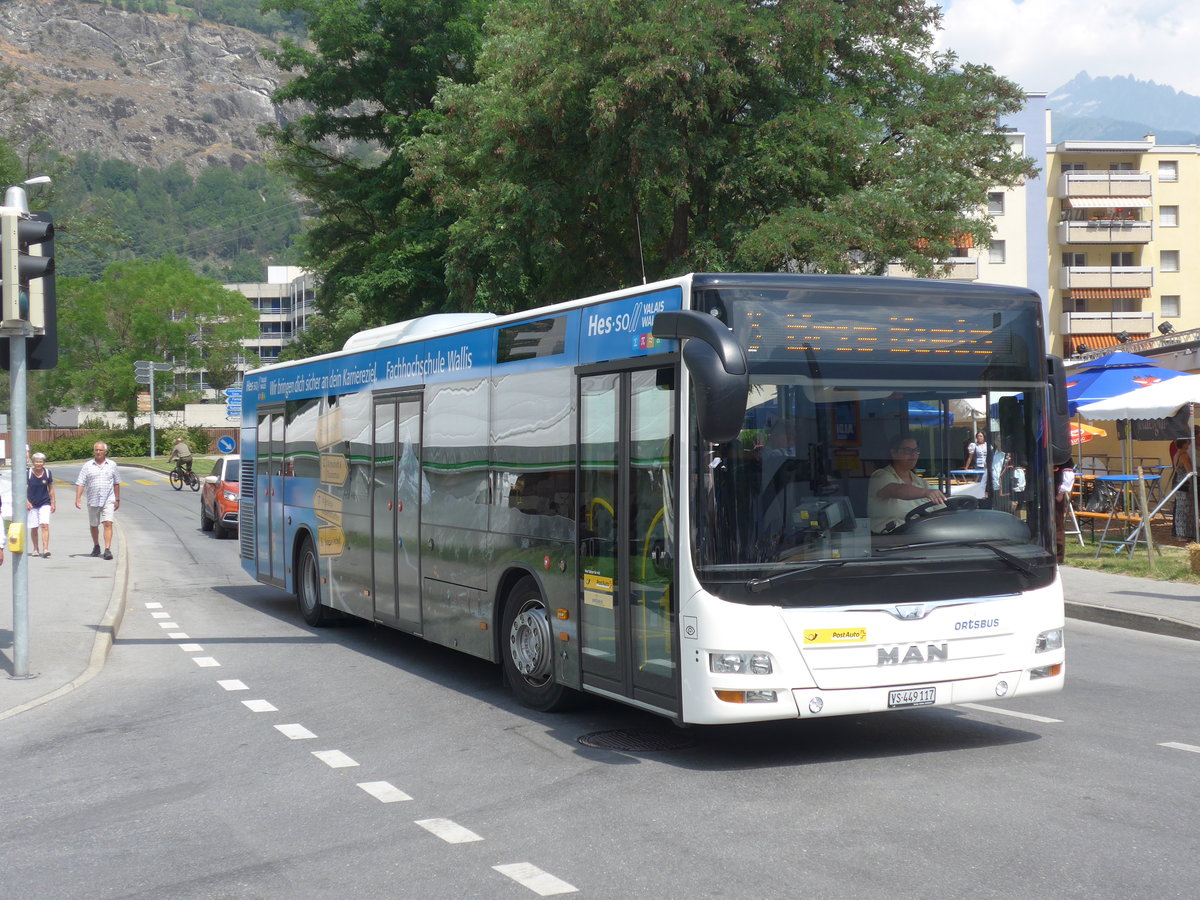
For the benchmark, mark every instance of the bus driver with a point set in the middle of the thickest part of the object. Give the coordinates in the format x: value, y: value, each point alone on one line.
x: 896, y: 490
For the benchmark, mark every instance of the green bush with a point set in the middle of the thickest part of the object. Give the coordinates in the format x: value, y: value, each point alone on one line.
x: 122, y: 443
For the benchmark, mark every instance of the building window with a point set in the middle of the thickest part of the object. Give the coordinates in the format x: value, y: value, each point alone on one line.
x: 1074, y: 304
x: 1168, y: 170
x: 1168, y: 261
x: 1170, y: 306
x: 1168, y: 216
x: 1074, y: 260
x: 995, y: 203
x: 1121, y: 258
x: 1074, y: 167
x: 996, y: 252
x: 1120, y: 167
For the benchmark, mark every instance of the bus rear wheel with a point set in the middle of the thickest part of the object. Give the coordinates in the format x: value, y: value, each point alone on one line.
x: 528, y: 650
x: 308, y: 587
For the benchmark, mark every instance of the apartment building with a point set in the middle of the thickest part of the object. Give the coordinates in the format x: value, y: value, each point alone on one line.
x: 1123, y: 227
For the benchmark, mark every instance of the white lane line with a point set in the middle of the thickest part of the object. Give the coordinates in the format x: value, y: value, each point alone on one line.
x: 161, y: 615
x: 1008, y: 712
x: 335, y: 759
x: 295, y: 732
x: 542, y: 883
x: 205, y: 662
x: 168, y: 624
x: 190, y: 648
x: 450, y: 832
x: 1175, y: 745
x: 177, y: 636
x: 233, y: 684
x: 259, y: 706
x: 153, y: 606
x: 384, y: 791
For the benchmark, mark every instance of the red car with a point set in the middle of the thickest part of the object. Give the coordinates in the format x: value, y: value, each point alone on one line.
x: 219, y: 493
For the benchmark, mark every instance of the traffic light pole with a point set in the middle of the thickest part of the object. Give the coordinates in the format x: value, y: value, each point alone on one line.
x: 19, y: 558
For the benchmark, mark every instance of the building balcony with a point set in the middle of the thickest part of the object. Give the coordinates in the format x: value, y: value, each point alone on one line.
x: 1088, y: 323
x: 961, y: 269
x: 1104, y: 183
x: 1106, y: 231
x: 1072, y: 278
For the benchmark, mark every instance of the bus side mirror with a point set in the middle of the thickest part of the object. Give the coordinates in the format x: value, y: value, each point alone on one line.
x: 717, y: 364
x: 1058, y: 414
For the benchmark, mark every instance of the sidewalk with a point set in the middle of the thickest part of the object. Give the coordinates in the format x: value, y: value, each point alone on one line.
x: 76, y: 603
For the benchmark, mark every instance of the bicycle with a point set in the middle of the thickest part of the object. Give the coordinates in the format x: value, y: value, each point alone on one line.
x: 181, y: 476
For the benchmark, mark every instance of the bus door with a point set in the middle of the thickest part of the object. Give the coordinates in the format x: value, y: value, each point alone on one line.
x: 272, y: 560
x: 628, y: 630
x: 396, y: 510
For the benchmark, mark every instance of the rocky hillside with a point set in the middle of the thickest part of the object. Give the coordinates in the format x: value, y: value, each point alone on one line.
x: 145, y: 88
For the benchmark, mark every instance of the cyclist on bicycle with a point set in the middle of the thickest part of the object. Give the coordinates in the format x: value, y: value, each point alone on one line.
x: 183, y: 453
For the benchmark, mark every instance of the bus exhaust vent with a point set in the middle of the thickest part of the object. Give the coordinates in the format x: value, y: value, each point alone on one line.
x: 636, y: 740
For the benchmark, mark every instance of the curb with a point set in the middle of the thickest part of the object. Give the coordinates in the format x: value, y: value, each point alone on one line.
x: 1135, y: 621
x: 106, y: 633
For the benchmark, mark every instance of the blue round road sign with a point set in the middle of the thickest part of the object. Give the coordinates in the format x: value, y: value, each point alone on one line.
x: 226, y: 444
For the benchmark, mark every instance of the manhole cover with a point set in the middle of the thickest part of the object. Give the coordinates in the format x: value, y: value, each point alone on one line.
x: 626, y: 739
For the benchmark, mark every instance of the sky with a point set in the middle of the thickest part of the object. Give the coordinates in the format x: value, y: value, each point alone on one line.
x: 1042, y: 44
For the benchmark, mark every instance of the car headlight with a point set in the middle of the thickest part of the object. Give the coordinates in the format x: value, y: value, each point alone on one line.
x: 231, y: 496
x: 740, y: 663
x: 1048, y: 640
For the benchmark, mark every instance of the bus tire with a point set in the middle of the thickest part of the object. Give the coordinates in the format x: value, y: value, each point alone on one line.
x: 308, y: 587
x: 527, y: 650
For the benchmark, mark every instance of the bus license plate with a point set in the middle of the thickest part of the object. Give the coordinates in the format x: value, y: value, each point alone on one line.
x: 911, y: 697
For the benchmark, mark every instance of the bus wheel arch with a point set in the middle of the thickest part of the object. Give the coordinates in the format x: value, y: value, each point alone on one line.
x: 307, y: 581
x: 526, y: 647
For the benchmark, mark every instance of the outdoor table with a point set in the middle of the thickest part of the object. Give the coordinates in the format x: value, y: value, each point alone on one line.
x: 1114, y: 488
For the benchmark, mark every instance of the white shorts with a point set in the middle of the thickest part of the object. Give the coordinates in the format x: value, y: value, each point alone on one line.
x: 39, y: 515
x: 98, y: 514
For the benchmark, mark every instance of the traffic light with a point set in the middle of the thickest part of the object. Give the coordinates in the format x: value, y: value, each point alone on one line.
x: 27, y: 266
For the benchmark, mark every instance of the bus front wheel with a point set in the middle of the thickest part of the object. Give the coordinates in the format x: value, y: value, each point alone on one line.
x: 308, y: 587
x: 528, y: 650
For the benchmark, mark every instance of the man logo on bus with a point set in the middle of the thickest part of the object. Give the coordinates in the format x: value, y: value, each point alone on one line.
x: 933, y: 653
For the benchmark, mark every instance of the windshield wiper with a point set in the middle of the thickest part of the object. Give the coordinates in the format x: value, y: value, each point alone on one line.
x: 757, y: 585
x: 1015, y: 561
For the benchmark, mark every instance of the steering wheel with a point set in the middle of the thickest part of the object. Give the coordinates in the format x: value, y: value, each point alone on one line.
x: 952, y: 503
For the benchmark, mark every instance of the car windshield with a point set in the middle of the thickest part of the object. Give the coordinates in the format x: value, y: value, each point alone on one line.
x: 232, y: 470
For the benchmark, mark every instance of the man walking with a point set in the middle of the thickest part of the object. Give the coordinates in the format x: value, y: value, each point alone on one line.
x: 101, y: 480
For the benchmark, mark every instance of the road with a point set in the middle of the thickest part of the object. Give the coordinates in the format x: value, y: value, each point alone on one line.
x: 229, y: 751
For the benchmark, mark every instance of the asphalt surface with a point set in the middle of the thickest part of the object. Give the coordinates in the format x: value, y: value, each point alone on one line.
x: 76, y: 603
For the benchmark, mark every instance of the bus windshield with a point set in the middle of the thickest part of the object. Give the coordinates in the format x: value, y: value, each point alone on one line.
x: 851, y: 393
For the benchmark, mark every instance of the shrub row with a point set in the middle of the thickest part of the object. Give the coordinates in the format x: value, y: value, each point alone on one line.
x: 122, y: 443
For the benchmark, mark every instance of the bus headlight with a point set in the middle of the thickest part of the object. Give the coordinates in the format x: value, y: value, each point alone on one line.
x: 740, y: 663
x: 1048, y: 640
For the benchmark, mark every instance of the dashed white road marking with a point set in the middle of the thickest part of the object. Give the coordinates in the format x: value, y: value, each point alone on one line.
x: 177, y: 636
x: 295, y: 732
x: 160, y: 615
x: 168, y: 625
x: 153, y: 606
x: 1009, y: 712
x: 542, y: 883
x: 191, y: 648
x: 450, y: 832
x: 384, y: 791
x: 205, y: 662
x: 335, y: 759
x: 259, y: 706
x: 233, y: 684
x: 1175, y: 745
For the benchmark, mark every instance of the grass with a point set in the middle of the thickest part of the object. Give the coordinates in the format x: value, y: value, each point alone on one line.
x: 1172, y: 560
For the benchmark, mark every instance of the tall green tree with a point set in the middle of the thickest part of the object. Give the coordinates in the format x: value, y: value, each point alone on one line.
x: 604, y: 137
x: 368, y: 77
x: 156, y: 310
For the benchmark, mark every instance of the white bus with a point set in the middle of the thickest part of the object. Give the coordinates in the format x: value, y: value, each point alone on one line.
x: 663, y: 495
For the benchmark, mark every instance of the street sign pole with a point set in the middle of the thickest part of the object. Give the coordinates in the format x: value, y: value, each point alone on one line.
x: 20, y: 483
